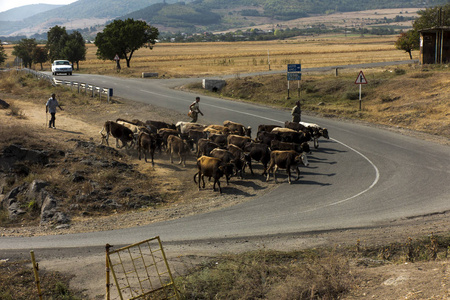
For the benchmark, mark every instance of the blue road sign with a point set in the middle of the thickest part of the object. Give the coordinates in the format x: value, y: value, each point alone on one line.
x: 294, y: 76
x: 294, y: 68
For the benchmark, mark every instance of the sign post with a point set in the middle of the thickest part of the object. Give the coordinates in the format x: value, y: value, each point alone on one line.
x: 294, y: 73
x: 361, y: 79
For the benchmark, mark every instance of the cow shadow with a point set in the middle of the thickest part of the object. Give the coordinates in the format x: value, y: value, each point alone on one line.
x: 231, y: 190
x: 69, y: 131
x: 246, y: 183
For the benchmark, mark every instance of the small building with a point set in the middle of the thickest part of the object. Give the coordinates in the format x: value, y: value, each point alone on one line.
x: 435, y: 45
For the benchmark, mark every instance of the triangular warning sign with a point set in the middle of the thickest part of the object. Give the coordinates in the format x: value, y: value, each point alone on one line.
x: 361, y: 79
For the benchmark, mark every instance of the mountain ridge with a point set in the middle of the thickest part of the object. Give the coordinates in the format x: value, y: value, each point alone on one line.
x: 192, y: 15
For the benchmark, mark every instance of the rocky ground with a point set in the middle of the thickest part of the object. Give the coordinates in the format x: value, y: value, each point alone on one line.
x: 389, y: 281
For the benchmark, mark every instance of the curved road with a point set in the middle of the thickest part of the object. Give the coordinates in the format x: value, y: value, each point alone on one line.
x: 362, y: 176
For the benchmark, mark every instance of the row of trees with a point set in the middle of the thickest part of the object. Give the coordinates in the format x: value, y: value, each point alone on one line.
x: 119, y: 39
x: 60, y: 45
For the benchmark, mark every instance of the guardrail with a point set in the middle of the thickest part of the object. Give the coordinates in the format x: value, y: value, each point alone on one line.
x: 81, y: 87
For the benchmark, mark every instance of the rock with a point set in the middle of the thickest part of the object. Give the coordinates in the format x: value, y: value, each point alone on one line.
x: 13, y: 153
x: 11, y: 204
x: 36, y: 190
x: 4, y: 104
x: 77, y: 177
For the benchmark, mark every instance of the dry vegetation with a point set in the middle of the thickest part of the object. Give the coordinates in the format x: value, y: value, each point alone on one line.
x: 351, y: 272
x: 203, y: 59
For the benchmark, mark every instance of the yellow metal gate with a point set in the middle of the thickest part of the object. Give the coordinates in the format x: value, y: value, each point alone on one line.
x: 140, y: 271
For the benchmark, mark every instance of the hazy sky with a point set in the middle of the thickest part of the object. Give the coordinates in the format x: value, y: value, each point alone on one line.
x: 8, y: 4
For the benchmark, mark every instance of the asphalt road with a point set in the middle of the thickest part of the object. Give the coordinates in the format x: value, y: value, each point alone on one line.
x: 363, y: 176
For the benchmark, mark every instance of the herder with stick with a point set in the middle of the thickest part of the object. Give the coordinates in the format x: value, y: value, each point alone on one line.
x: 51, y: 106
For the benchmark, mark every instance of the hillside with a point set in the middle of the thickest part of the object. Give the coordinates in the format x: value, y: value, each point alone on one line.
x: 194, y: 16
x: 23, y: 12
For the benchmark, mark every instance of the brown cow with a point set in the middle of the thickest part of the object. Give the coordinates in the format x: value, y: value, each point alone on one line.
x: 160, y: 124
x: 146, y: 143
x: 265, y: 137
x: 267, y: 128
x: 217, y: 129
x: 299, y: 148
x: 205, y: 147
x: 239, y: 157
x: 220, y: 139
x: 258, y: 152
x: 194, y: 136
x: 294, y: 125
x: 209, y: 167
x: 291, y: 136
x: 238, y: 140
x: 226, y: 157
x: 239, y: 129
x: 286, y: 160
x: 177, y: 145
x: 119, y: 132
x: 164, y: 133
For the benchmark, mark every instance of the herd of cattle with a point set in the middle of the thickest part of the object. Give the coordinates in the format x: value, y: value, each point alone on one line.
x: 222, y: 150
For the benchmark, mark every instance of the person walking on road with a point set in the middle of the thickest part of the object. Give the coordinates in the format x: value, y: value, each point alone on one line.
x: 50, y: 107
x: 194, y: 110
x: 296, y: 113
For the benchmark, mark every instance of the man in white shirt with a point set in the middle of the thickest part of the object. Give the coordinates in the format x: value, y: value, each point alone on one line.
x: 50, y: 107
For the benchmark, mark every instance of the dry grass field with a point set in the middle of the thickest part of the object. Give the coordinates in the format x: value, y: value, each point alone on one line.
x: 203, y: 59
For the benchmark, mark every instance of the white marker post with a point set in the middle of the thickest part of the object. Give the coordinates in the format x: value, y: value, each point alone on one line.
x: 361, y: 79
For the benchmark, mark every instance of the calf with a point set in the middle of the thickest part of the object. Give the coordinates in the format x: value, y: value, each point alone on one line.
x: 286, y: 160
x: 210, y: 167
x: 146, y: 143
x: 258, y: 152
x: 177, y: 145
x: 119, y: 132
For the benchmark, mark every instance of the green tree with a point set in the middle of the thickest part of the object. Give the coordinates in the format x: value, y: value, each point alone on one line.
x: 431, y: 17
x: 123, y: 38
x: 408, y: 41
x: 25, y: 50
x: 40, y: 55
x: 3, y: 55
x: 74, y: 49
x: 56, y: 41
